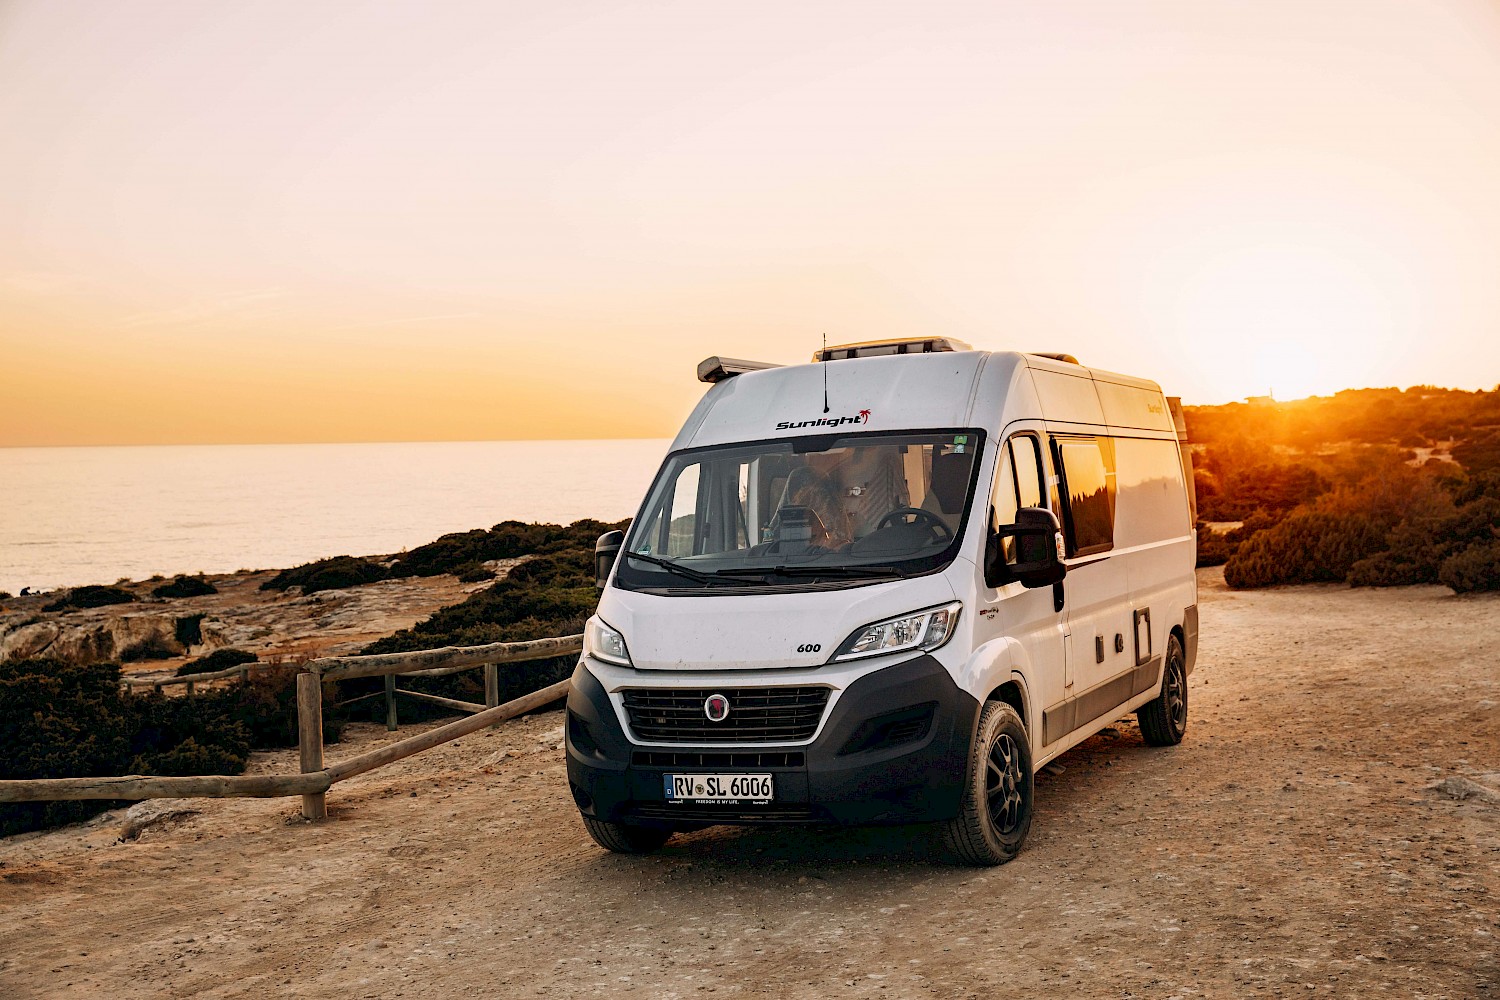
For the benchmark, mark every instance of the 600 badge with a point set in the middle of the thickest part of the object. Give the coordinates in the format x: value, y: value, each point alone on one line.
x: 810, y: 647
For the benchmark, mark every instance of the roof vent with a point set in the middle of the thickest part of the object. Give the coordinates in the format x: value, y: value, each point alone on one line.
x: 882, y: 348
x: 1065, y: 358
x: 717, y: 369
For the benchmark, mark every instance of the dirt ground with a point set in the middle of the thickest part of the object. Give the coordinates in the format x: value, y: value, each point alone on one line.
x: 1294, y: 845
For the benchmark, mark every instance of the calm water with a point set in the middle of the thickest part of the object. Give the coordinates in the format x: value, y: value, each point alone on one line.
x: 92, y: 515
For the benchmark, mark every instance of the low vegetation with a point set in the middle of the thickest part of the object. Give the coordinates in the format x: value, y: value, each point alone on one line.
x: 185, y: 586
x: 61, y: 720
x: 1332, y: 490
x: 92, y: 596
x: 328, y: 574
x: 219, y: 659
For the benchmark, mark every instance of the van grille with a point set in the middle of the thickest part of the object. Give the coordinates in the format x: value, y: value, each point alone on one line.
x: 756, y: 715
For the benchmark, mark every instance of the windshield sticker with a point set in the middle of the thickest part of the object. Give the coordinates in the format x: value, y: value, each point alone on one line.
x: 863, y: 417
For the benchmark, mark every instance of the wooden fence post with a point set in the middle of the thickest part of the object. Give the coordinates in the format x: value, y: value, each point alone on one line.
x: 492, y: 687
x: 310, y: 738
x: 390, y: 703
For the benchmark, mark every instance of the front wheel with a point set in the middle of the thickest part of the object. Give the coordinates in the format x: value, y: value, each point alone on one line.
x: 1164, y: 719
x: 625, y: 838
x: 995, y: 813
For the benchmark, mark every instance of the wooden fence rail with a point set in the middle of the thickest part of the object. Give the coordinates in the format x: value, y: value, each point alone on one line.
x: 316, y: 777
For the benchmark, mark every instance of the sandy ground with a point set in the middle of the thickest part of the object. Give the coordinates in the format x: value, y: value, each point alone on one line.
x: 1292, y: 846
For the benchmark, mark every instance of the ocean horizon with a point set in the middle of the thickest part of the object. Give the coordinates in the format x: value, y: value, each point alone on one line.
x: 79, y: 515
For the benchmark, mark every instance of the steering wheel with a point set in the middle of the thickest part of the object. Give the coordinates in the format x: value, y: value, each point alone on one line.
x: 927, y: 517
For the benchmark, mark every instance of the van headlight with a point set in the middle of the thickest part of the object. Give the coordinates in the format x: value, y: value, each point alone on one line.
x: 604, y: 643
x: 924, y: 630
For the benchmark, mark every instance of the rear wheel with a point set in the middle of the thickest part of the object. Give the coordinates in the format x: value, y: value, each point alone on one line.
x: 625, y: 838
x: 995, y: 813
x: 1164, y: 719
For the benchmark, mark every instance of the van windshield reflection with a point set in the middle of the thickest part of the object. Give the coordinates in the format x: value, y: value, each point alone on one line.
x: 851, y: 508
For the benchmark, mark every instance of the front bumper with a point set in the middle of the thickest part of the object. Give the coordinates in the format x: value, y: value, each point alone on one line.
x: 865, y: 767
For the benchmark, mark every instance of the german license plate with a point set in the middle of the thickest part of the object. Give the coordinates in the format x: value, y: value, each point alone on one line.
x: 718, y: 789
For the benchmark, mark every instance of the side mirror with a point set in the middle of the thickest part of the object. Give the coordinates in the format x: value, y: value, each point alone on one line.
x: 1039, y: 551
x: 606, y: 549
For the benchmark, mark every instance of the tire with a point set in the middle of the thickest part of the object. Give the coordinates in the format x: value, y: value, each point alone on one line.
x: 1164, y: 719
x: 625, y: 838
x: 995, y: 813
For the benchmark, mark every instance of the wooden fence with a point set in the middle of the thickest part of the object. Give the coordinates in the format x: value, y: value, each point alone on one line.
x: 316, y: 777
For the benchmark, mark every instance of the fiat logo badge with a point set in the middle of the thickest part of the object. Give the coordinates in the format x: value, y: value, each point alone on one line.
x: 716, y: 708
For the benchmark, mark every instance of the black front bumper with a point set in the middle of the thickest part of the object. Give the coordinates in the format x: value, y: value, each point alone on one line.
x: 865, y: 767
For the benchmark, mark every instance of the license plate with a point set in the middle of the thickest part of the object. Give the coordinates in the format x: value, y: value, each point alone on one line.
x: 716, y: 789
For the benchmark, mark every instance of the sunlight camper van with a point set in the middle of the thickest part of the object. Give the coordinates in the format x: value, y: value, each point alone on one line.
x: 886, y: 587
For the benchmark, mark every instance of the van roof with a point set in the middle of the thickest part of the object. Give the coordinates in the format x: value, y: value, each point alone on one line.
x: 942, y: 389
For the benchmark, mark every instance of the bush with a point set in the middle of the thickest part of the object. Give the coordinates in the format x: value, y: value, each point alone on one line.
x: 328, y: 574
x: 1310, y: 546
x: 1213, y: 548
x: 1476, y: 568
x: 185, y: 586
x: 474, y: 573
x: 151, y: 648
x: 91, y: 597
x: 5, y: 595
x: 506, y: 540
x: 219, y: 659
x: 60, y: 720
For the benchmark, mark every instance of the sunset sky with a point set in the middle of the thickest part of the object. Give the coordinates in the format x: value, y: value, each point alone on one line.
x: 290, y: 221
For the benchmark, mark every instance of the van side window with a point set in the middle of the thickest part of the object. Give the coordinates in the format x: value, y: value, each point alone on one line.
x: 1087, y: 466
x: 1027, y: 453
x: 1018, y: 483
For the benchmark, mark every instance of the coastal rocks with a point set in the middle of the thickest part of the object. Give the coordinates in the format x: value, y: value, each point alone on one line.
x: 153, y: 812
x: 85, y: 637
x: 275, y: 625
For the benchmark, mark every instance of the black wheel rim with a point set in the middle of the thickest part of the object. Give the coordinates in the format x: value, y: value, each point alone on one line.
x: 1176, y: 695
x: 1003, y: 784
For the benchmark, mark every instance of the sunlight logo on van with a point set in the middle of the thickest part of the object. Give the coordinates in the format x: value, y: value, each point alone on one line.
x: 863, y: 417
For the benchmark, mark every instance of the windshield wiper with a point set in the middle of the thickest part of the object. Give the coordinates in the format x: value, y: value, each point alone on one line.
x: 672, y: 567
x: 845, y: 571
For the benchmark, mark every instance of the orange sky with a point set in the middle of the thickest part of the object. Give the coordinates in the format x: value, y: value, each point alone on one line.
x: 279, y: 221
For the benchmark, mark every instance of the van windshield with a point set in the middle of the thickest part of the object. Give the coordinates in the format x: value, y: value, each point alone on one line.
x: 838, y: 509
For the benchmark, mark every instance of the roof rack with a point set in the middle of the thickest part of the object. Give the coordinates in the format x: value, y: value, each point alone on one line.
x: 881, y: 348
x: 717, y: 369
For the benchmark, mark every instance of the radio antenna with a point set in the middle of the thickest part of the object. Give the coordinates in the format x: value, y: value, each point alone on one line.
x: 824, y: 356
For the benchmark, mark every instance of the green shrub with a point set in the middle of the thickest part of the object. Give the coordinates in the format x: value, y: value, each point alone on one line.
x: 474, y: 573
x: 92, y: 596
x: 60, y: 720
x: 1476, y: 568
x: 153, y: 647
x: 506, y: 540
x: 1310, y: 546
x: 5, y: 595
x: 219, y: 659
x: 188, y: 630
x: 185, y: 586
x: 328, y: 574
x: 1213, y: 547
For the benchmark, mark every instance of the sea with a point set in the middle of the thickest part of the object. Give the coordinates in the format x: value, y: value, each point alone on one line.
x: 72, y: 516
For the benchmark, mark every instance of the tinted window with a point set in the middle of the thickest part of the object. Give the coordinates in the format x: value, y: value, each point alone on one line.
x: 1150, y: 503
x: 1088, y: 475
x: 1018, y: 483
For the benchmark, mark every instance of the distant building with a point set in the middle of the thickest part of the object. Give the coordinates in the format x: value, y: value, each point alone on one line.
x: 1261, y: 400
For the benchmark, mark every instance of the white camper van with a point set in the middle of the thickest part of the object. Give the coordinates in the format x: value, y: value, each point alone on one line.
x: 886, y: 587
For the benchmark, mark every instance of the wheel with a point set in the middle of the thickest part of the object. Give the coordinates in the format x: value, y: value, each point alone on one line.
x: 625, y: 838
x: 1164, y: 719
x: 995, y: 813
